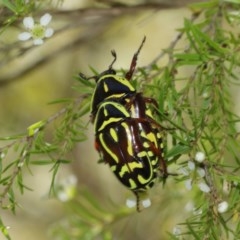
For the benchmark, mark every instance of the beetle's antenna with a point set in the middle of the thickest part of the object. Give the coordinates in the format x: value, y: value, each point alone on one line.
x: 114, y: 54
x: 134, y: 61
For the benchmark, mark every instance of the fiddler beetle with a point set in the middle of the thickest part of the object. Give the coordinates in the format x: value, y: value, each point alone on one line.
x: 127, y: 136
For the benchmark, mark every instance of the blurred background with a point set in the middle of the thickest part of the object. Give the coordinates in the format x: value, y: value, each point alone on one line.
x: 44, y: 74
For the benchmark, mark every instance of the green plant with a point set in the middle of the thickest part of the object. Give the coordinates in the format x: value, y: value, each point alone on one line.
x: 200, y: 124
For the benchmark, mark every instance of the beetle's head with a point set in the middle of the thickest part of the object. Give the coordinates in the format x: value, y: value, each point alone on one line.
x: 110, y: 70
x: 106, y: 72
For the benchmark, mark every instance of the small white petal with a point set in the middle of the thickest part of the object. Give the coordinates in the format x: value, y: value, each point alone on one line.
x: 67, y: 188
x: 188, y: 184
x: 72, y: 180
x: 45, y: 19
x: 222, y: 207
x: 28, y: 22
x: 205, y: 95
x: 24, y: 36
x: 62, y: 196
x: 131, y: 203
x: 201, y: 172
x: 184, y: 171
x: 191, y: 165
x: 38, y: 41
x: 146, y: 203
x: 20, y: 165
x: 49, y: 32
x: 189, y: 206
x: 235, y: 13
x: 177, y: 230
x: 200, y: 157
x: 204, y: 187
x: 235, y: 183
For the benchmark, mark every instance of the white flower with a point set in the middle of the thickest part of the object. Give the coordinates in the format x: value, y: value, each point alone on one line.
x: 20, y: 164
x: 67, y: 188
x: 37, y: 31
x: 146, y: 203
x: 191, y: 165
x: 222, y: 207
x: 131, y: 203
x: 200, y: 157
x: 204, y: 187
x: 188, y: 184
x: 189, y: 206
x: 177, y: 230
x: 234, y: 16
x: 184, y: 171
x: 235, y: 183
x: 205, y: 95
x: 201, y: 172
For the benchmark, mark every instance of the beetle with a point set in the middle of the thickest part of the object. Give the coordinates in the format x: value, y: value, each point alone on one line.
x: 127, y: 136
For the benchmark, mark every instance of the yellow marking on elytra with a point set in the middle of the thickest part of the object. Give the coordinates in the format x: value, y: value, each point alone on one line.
x: 134, y: 165
x: 114, y: 157
x: 106, y: 122
x: 145, y: 180
x: 132, y: 183
x: 150, y: 153
x: 152, y: 138
x: 105, y: 112
x: 159, y: 135
x: 113, y: 168
x: 154, y: 161
x: 141, y: 154
x: 125, y: 82
x: 146, y: 144
x: 142, y: 180
x: 121, y: 80
x: 123, y: 170
x: 149, y: 113
x: 105, y: 87
x: 114, y: 134
x: 143, y: 134
x: 116, y: 95
x: 129, y: 167
x: 129, y: 147
x: 129, y: 140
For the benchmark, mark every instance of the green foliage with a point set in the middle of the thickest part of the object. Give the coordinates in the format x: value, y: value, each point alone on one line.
x: 86, y: 219
x: 35, y: 147
x: 196, y: 111
x: 200, y: 113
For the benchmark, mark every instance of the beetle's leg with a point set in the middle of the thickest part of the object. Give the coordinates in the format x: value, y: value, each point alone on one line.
x: 151, y: 101
x: 129, y: 74
x: 137, y: 201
